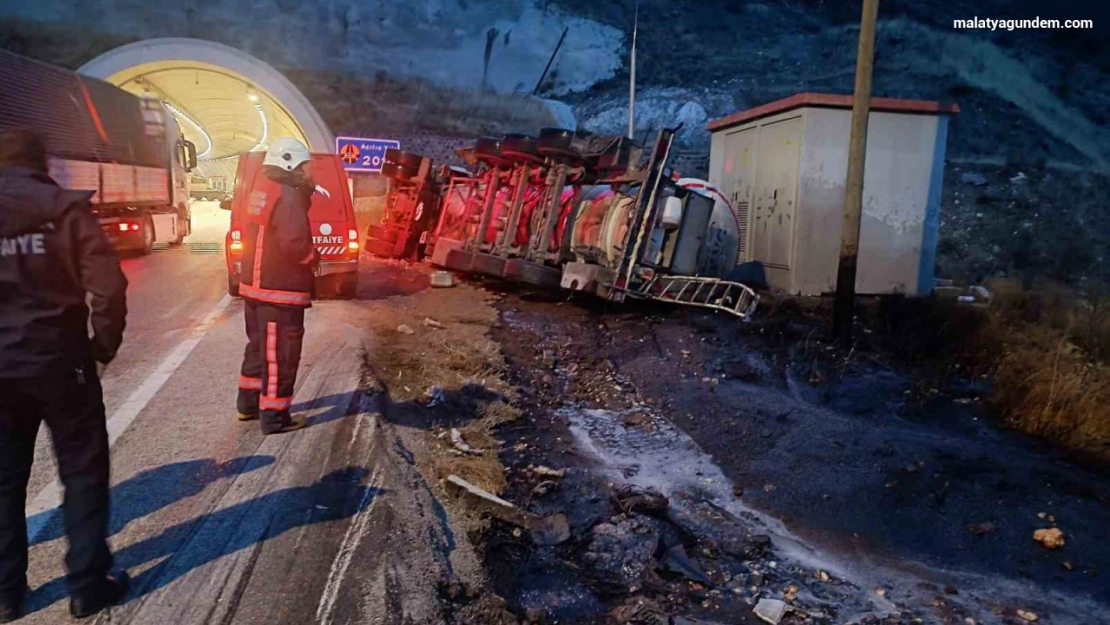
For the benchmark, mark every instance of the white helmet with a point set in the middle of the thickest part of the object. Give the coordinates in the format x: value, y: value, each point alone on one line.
x: 287, y: 153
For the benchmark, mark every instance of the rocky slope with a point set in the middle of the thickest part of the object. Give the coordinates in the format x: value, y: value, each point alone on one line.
x: 1033, y: 101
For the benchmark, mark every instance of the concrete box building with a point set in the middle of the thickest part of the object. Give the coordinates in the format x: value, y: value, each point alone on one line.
x: 783, y: 165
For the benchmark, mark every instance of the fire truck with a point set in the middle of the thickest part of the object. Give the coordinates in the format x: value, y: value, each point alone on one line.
x: 127, y: 149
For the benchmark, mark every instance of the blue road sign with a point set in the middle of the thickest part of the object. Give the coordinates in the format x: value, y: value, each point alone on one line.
x: 365, y: 155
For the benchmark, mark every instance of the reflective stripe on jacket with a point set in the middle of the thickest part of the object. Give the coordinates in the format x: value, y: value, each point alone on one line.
x: 278, y: 254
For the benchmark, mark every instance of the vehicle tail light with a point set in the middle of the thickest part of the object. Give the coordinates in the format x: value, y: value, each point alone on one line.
x: 236, y: 241
x: 352, y: 240
x: 128, y: 226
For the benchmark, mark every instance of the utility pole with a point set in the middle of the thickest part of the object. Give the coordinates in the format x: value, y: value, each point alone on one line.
x: 844, y: 304
x: 632, y: 77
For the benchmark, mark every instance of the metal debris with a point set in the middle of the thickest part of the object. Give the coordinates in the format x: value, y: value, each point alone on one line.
x: 460, y: 444
x: 549, y: 472
x: 771, y: 610
x: 1051, y: 538
x: 552, y: 530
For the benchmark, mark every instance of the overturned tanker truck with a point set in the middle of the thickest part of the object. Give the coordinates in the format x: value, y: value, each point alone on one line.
x: 601, y: 215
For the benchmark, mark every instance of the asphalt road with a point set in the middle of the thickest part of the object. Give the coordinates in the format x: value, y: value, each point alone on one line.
x: 218, y: 524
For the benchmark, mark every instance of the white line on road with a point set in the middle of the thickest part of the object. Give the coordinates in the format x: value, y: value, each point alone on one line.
x: 51, y: 495
x: 355, y: 532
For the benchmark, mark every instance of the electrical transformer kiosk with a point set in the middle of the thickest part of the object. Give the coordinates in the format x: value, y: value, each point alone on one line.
x: 600, y: 215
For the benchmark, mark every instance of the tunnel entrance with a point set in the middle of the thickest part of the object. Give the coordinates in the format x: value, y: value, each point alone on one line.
x: 225, y: 100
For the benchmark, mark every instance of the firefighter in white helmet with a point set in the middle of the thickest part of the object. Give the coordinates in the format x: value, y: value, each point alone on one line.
x: 276, y: 284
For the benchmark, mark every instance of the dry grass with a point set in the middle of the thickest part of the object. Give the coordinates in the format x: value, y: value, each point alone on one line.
x: 1047, y: 352
x: 1052, y: 377
x: 484, y: 471
x: 464, y: 364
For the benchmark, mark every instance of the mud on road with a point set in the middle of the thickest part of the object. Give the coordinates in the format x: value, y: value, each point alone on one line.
x: 709, y: 470
x: 792, y: 472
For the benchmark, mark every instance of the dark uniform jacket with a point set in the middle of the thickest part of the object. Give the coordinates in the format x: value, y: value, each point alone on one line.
x: 278, y: 254
x: 52, y: 256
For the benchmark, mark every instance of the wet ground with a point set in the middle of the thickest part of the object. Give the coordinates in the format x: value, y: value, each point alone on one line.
x: 882, y: 498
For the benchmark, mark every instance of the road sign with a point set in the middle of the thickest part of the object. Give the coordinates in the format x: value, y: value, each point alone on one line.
x: 365, y: 155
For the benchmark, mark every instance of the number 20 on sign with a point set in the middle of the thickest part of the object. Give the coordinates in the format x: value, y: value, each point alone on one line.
x: 361, y: 154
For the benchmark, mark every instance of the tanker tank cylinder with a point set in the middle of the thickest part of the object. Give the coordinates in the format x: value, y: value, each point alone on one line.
x: 688, y: 249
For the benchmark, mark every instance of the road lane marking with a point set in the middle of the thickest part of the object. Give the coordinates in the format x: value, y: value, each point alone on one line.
x: 51, y: 495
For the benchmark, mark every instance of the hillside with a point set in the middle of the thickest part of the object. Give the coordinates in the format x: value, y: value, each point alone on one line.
x: 1034, y: 102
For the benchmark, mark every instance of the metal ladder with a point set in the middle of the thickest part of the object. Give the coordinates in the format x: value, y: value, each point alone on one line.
x: 731, y: 297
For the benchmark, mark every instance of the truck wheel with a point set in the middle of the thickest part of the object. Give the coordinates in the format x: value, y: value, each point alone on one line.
x: 233, y: 285
x: 536, y: 275
x: 148, y: 235
x: 181, y: 232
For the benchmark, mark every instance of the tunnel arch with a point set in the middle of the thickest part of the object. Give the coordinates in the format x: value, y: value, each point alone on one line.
x: 123, y: 64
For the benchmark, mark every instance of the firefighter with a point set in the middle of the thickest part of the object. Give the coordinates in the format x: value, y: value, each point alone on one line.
x: 53, y: 256
x: 276, y: 284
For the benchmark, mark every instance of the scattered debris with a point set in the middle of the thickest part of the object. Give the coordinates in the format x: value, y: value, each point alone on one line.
x: 980, y: 293
x: 552, y: 530
x: 632, y: 499
x: 641, y: 611
x: 485, y: 501
x: 771, y: 610
x: 545, y: 487
x: 677, y: 561
x: 1068, y: 566
x: 981, y: 529
x: 443, y: 280
x: 549, y: 531
x: 823, y: 576
x: 432, y: 323
x: 549, y: 472
x: 880, y: 591
x: 435, y: 397
x: 623, y: 551
x: 1028, y: 616
x: 1050, y: 538
x: 974, y: 179
x: 461, y: 445
x: 404, y: 329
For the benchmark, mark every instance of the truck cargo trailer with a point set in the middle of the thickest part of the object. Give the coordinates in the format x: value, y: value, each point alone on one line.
x: 128, y: 150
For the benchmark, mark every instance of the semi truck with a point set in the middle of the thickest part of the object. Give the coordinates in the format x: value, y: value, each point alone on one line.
x: 127, y: 149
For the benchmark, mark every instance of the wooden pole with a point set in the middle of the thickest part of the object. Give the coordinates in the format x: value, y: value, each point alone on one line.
x: 844, y: 304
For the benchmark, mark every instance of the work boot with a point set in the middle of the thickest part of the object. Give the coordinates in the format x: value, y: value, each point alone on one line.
x: 11, y: 607
x: 287, y: 423
x: 108, y: 593
x: 248, y: 416
x: 10, y: 610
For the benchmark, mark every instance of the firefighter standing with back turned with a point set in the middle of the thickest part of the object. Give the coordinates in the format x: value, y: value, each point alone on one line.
x: 53, y: 256
x: 276, y: 284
